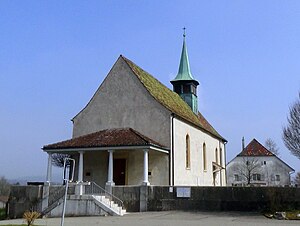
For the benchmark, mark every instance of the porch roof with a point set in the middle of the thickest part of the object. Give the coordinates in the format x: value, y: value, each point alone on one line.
x: 125, y: 138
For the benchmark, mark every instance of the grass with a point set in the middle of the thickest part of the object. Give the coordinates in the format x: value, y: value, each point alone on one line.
x: 293, y: 215
x: 2, y: 214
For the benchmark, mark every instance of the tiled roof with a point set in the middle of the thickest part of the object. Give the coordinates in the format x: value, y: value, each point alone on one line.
x: 171, y: 100
x: 254, y: 148
x: 106, y: 138
x: 4, y: 199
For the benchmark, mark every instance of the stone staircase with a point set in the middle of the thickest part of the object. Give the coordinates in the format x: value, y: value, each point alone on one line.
x: 108, y: 205
x: 96, y: 200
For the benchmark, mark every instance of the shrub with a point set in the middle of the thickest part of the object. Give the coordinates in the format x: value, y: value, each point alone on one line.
x: 2, y: 213
x: 30, y: 217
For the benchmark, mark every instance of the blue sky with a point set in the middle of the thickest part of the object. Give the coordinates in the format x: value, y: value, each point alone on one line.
x: 54, y: 55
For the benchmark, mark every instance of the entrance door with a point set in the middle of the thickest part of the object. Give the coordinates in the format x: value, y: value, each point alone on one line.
x: 119, y: 171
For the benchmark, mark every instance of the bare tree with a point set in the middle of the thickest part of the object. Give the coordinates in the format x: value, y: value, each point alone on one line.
x: 4, y: 187
x: 272, y: 146
x: 58, y: 159
x: 291, y: 133
x: 297, y: 179
x: 247, y: 167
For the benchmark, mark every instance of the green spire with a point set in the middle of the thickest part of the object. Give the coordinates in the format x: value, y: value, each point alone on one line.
x: 184, y: 72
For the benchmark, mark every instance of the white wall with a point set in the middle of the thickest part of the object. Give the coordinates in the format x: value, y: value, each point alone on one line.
x: 196, y: 175
x: 273, y: 166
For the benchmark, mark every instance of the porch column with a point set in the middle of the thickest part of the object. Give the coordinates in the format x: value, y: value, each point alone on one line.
x: 110, y: 174
x: 49, y: 169
x: 146, y: 181
x: 80, y: 172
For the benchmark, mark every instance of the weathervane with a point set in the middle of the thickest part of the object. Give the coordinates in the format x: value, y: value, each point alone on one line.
x: 184, y: 31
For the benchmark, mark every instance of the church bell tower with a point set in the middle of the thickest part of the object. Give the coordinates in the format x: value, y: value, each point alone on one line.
x: 184, y: 84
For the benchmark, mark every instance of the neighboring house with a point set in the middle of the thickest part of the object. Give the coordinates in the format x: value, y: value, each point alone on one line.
x: 3, y: 201
x: 135, y: 131
x: 256, y: 165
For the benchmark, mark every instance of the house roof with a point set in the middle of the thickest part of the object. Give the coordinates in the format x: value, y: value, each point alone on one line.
x: 106, y: 138
x: 4, y: 199
x: 254, y: 148
x: 171, y: 100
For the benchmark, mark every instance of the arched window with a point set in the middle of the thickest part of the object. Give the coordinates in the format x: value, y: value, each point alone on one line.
x: 221, y: 159
x: 187, y: 152
x: 217, y: 156
x: 204, y: 157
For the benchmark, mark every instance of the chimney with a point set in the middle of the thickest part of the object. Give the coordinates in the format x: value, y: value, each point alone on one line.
x: 243, y: 143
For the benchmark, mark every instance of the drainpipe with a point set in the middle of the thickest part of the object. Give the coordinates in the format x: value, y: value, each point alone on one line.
x: 172, y: 148
x: 225, y: 162
x: 221, y: 162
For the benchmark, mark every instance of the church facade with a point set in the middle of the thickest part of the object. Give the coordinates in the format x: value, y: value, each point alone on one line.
x: 135, y: 131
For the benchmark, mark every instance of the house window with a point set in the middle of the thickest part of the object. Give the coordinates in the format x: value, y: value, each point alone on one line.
x: 216, y: 155
x: 187, y: 152
x: 204, y: 157
x: 256, y: 177
x: 277, y: 177
x: 221, y: 157
x: 236, y: 177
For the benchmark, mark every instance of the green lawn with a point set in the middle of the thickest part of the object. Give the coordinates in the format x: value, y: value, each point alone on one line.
x: 2, y: 214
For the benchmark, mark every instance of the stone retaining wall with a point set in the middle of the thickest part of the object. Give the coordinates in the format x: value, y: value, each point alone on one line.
x: 159, y: 198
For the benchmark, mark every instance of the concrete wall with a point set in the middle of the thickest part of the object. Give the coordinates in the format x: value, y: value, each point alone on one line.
x: 268, y: 168
x: 196, y: 175
x: 78, y: 206
x: 130, y: 195
x: 122, y: 101
x: 212, y: 198
x: 23, y: 198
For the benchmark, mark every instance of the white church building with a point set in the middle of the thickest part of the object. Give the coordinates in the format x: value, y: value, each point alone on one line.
x: 136, y: 131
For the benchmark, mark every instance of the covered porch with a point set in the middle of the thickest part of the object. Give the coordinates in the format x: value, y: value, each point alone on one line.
x: 114, y: 157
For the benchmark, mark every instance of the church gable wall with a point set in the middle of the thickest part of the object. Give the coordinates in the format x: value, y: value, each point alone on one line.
x: 122, y: 101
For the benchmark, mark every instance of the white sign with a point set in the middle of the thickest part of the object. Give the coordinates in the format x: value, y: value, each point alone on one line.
x: 183, y: 192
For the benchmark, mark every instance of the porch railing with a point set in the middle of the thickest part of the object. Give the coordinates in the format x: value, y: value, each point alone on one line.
x: 95, y: 189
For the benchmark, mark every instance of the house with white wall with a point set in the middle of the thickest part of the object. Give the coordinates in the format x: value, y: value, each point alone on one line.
x: 136, y: 131
x: 255, y: 165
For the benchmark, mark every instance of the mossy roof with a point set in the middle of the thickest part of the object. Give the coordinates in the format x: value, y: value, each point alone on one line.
x: 171, y: 100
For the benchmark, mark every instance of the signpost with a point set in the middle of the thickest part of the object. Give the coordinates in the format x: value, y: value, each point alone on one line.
x: 66, y: 178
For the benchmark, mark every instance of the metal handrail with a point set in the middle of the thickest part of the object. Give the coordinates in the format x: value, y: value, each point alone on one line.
x: 58, y: 194
x: 95, y: 189
x: 55, y: 201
